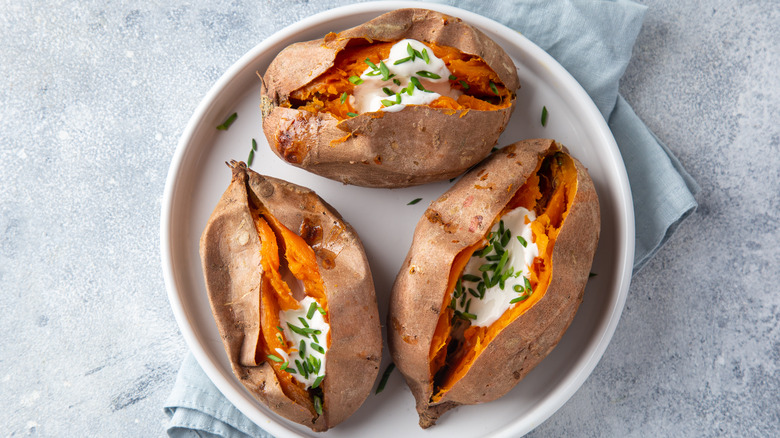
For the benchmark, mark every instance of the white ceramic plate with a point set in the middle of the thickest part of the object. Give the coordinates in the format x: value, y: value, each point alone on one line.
x: 198, y: 176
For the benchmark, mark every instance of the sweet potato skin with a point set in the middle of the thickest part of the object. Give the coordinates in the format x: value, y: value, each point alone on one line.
x: 394, y: 149
x: 458, y: 219
x: 230, y: 256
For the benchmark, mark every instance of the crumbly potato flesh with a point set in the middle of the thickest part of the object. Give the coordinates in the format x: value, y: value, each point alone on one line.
x: 276, y: 296
x: 324, y: 94
x: 549, y: 192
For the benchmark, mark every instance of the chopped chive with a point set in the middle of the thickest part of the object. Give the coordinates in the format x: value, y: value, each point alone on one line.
x: 592, y: 274
x: 473, y: 293
x: 274, y: 358
x: 312, y: 309
x: 284, y: 365
x: 409, y: 89
x: 388, y: 91
x: 508, y: 273
x: 485, y: 251
x: 374, y: 73
x: 250, y: 158
x: 352, y: 114
x: 229, y: 121
x: 318, y: 365
x: 410, y: 50
x: 425, y: 56
x: 371, y: 64
x: 397, y: 82
x: 518, y: 299
x: 321, y: 310
x: 279, y: 338
x: 528, y: 285
x: 317, y: 404
x: 417, y: 83
x: 468, y: 304
x: 505, y: 238
x: 302, y: 348
x: 517, y: 288
x: 427, y: 74
x: 397, y: 98
x: 464, y: 84
x: 470, y: 277
x: 485, y: 280
x: 498, y: 247
x: 298, y: 330
x: 463, y: 300
x: 493, y: 88
x: 387, y: 102
x: 452, y: 303
x: 414, y: 201
x: 500, y: 228
x: 254, y: 144
x: 417, y: 54
x: 522, y: 241
x: 544, y: 116
x: 355, y: 80
x: 487, y: 267
x: 385, y: 71
x: 314, y: 337
x: 453, y: 77
x: 343, y: 97
x: 280, y: 329
x: 303, y: 321
x: 317, y: 348
x: 385, y: 377
x: 299, y: 366
x: 310, y: 363
x: 458, y: 287
x: 291, y: 371
x: 501, y: 282
x: 469, y: 315
x: 402, y: 60
x: 317, y: 382
x: 493, y: 258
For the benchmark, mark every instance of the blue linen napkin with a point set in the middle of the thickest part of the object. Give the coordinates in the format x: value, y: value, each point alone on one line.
x: 593, y: 40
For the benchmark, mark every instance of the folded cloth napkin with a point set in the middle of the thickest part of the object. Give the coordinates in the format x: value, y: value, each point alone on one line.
x: 593, y: 40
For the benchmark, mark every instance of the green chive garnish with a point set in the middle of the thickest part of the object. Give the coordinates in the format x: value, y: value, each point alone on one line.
x: 374, y: 73
x: 397, y: 82
x: 317, y: 382
x: 385, y: 71
x: 388, y: 91
x: 298, y: 330
x: 385, y: 377
x: 473, y: 293
x: 592, y: 274
x: 321, y: 310
x: 493, y: 258
x: 417, y: 83
x: 518, y: 299
x: 528, y: 285
x: 470, y: 277
x: 387, y: 102
x: 493, y: 88
x: 487, y: 267
x: 464, y: 85
x: 312, y: 309
x: 453, y: 77
x: 355, y: 80
x: 343, y: 97
x: 414, y: 201
x: 318, y: 348
x: 318, y: 404
x: 485, y: 251
x: 371, y: 64
x: 469, y: 315
x: 544, y: 116
x: 254, y: 144
x: 522, y: 241
x: 517, y: 288
x: 425, y: 56
x: 250, y: 158
x: 280, y: 329
x: 410, y: 50
x: 302, y: 348
x: 274, y: 358
x: 291, y: 371
x: 427, y: 74
x: 284, y: 365
x: 303, y: 321
x: 402, y: 60
x: 229, y: 121
x: 352, y: 114
x: 315, y: 338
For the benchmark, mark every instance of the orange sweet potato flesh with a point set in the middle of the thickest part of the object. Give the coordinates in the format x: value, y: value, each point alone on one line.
x: 325, y: 92
x: 262, y: 232
x: 446, y: 364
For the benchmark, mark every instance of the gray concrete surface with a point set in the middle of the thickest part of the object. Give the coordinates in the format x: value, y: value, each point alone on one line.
x: 93, y: 98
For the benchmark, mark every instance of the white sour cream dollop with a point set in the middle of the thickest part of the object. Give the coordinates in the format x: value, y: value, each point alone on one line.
x: 497, y: 300
x: 368, y: 95
x: 311, y: 340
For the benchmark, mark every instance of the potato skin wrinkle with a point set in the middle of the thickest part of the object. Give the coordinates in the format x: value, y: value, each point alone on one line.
x: 231, y: 256
x: 456, y: 223
x: 417, y: 145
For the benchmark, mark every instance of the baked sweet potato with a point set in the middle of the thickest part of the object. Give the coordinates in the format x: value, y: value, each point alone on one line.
x: 293, y: 298
x: 410, y: 97
x: 513, y: 239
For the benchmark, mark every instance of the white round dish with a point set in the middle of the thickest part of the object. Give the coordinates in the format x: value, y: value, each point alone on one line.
x: 198, y: 176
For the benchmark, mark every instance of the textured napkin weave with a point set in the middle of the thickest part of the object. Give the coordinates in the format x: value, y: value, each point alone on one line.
x: 593, y: 41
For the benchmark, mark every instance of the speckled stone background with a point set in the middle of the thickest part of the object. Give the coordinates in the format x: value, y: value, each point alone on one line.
x: 93, y: 98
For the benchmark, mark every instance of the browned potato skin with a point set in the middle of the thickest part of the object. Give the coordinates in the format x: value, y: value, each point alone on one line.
x: 230, y: 255
x: 458, y: 219
x: 385, y: 149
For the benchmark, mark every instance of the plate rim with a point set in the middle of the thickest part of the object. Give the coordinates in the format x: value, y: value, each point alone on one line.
x: 567, y: 386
